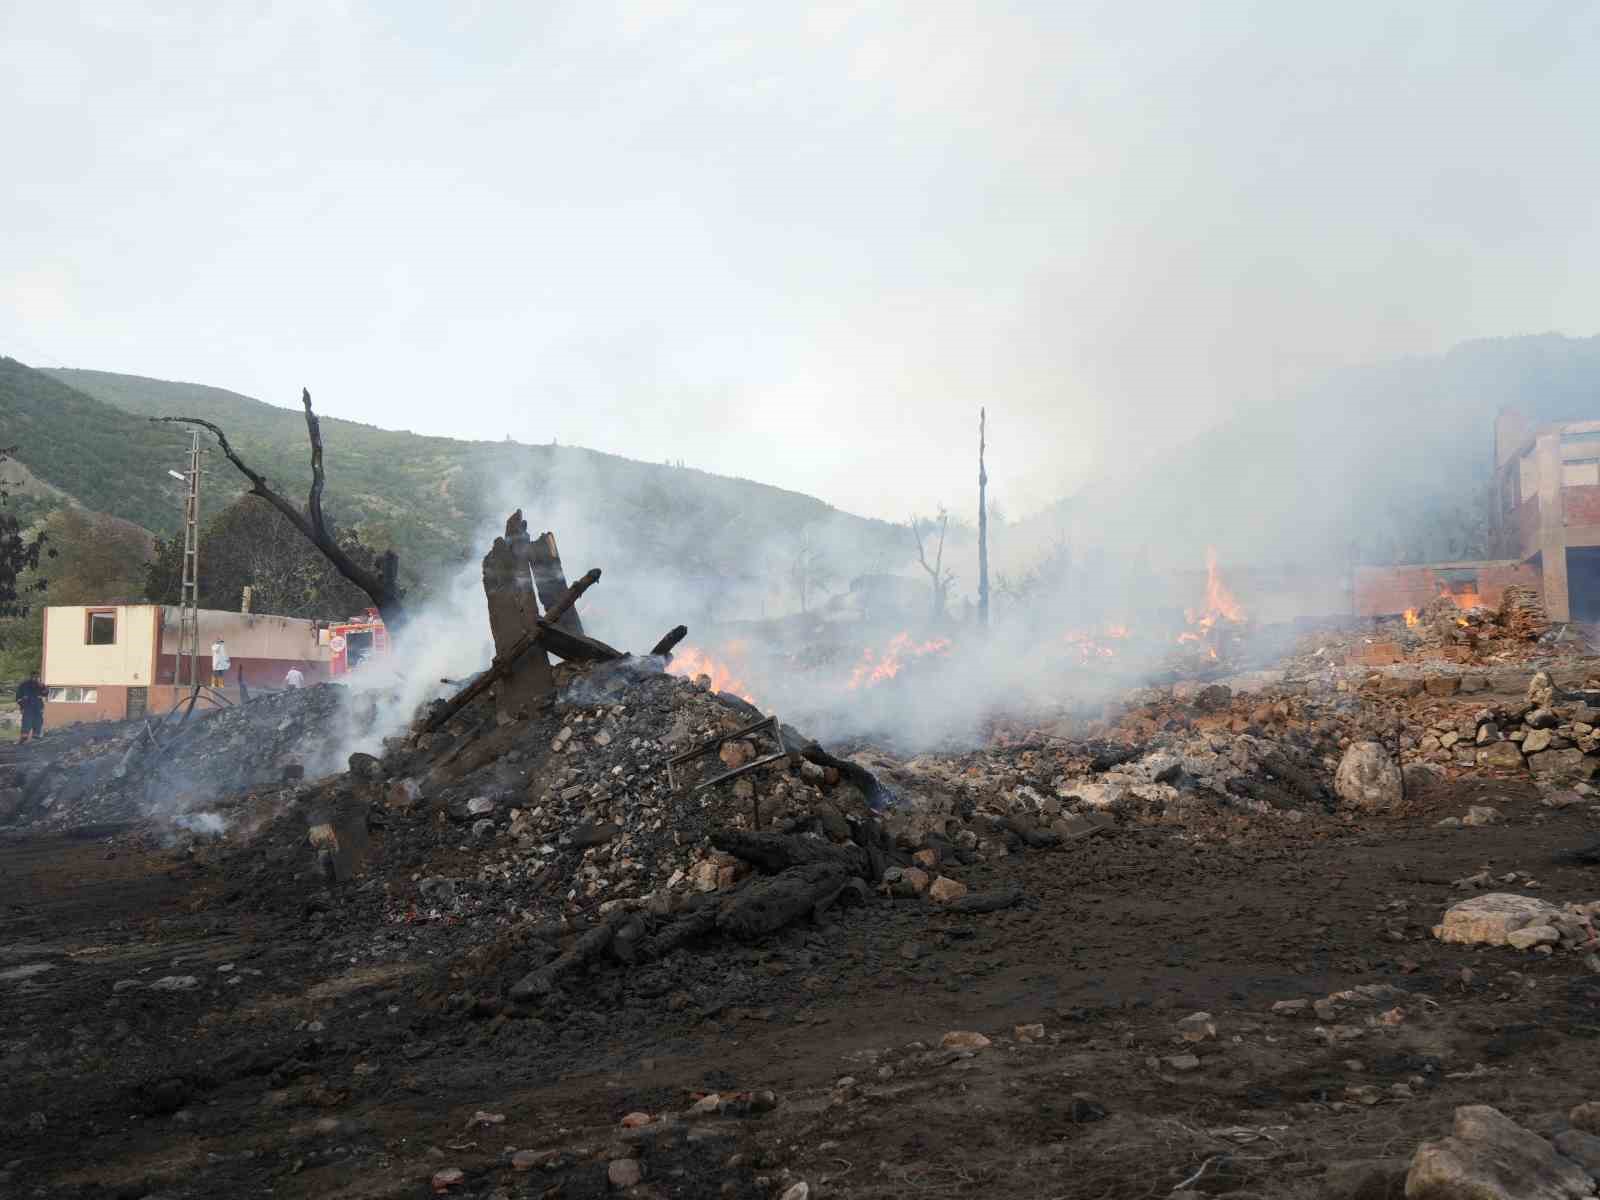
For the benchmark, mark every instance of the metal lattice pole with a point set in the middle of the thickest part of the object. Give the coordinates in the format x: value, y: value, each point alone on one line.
x: 189, y: 618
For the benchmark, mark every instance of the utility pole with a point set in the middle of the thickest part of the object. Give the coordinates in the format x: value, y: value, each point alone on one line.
x: 189, y: 595
x: 983, y: 528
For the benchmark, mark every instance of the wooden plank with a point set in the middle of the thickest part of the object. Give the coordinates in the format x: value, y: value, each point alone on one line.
x: 551, y: 581
x: 513, y: 619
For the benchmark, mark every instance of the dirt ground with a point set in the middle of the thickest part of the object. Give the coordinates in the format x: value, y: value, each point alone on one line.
x: 326, y: 1050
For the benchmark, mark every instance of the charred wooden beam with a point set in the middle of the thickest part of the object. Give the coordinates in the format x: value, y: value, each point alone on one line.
x: 666, y: 645
x: 513, y: 617
x: 773, y: 853
x: 551, y: 581
x: 767, y: 905
x: 561, y: 607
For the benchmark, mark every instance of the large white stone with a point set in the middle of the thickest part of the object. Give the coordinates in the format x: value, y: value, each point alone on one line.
x: 1491, y: 1157
x: 1368, y: 779
x: 1490, y: 920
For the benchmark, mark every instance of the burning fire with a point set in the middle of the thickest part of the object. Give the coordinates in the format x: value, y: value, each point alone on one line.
x: 1088, y: 646
x: 692, y: 662
x: 1412, y: 620
x: 875, y: 668
x: 1220, y: 605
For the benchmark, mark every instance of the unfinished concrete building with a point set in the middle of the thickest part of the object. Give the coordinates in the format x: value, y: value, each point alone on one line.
x: 1545, y: 510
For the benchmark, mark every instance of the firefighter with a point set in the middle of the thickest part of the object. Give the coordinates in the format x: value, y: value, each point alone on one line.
x: 220, y: 662
x: 30, y: 698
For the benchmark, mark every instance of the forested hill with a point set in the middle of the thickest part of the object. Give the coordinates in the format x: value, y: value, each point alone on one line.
x: 87, y: 433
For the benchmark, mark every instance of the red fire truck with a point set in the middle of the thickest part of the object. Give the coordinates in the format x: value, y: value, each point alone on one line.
x: 358, y: 640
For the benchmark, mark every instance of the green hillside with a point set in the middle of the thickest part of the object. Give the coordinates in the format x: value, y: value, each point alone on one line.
x: 86, y: 433
x: 109, y: 460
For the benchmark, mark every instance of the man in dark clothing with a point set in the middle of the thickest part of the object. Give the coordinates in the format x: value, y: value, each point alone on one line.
x: 30, y: 698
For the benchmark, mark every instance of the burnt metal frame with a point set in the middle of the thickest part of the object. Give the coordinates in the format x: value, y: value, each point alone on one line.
x: 765, y: 725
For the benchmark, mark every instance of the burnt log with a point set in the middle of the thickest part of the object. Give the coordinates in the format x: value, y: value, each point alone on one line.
x: 879, y: 797
x: 985, y: 902
x: 697, y: 923
x: 1307, y: 785
x: 774, y: 853
x: 560, y: 608
x: 537, y: 984
x: 1031, y: 835
x: 666, y: 645
x: 764, y: 906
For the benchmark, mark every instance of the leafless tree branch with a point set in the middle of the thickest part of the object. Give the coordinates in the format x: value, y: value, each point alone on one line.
x: 380, y: 588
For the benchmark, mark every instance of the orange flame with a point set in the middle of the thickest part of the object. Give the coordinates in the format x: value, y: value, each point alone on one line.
x: 1088, y: 646
x: 1219, y: 599
x: 1220, y: 603
x: 875, y: 668
x: 1412, y: 620
x: 692, y: 662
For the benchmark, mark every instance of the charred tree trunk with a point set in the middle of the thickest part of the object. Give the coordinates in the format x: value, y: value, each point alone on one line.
x: 983, y: 528
x: 381, y: 587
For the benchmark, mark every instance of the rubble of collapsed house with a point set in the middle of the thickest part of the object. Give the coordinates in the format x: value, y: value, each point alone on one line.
x: 600, y: 807
x: 129, y: 771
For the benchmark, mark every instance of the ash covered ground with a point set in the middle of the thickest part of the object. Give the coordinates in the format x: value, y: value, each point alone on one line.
x: 1247, y: 933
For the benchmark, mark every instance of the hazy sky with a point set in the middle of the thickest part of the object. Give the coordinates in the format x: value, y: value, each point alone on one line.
x: 795, y: 242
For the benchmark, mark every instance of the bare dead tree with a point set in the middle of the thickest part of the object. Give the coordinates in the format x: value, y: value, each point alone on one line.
x: 939, y: 577
x: 983, y: 529
x: 810, y: 569
x: 381, y: 587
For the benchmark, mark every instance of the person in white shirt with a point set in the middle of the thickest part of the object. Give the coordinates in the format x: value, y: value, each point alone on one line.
x: 294, y: 678
x: 220, y: 662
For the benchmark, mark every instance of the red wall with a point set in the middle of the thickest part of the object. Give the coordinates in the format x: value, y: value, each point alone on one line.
x: 257, y: 672
x: 1581, y: 505
x: 1385, y: 591
x: 111, y: 704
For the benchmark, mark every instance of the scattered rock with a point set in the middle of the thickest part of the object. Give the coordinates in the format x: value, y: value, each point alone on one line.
x: 1197, y: 1027
x: 1503, y: 755
x: 1028, y: 1033
x: 944, y: 890
x: 1482, y: 814
x: 448, y: 1178
x: 1538, y: 740
x: 1488, y: 920
x: 1182, y: 1062
x: 1530, y: 936
x: 1582, y: 1148
x: 1368, y: 779
x: 1491, y: 1157
x: 624, y: 1172
x: 961, y: 1039
x: 175, y: 983
x: 1586, y: 1117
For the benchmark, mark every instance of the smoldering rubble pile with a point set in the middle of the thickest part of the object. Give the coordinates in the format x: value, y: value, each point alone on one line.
x: 1516, y: 631
x: 183, y: 768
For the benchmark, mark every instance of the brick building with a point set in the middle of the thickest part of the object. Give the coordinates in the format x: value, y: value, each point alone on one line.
x: 115, y: 662
x: 1545, y: 511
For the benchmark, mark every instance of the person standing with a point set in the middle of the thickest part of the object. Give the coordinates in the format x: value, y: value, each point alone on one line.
x: 294, y: 679
x: 220, y: 662
x: 30, y: 698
